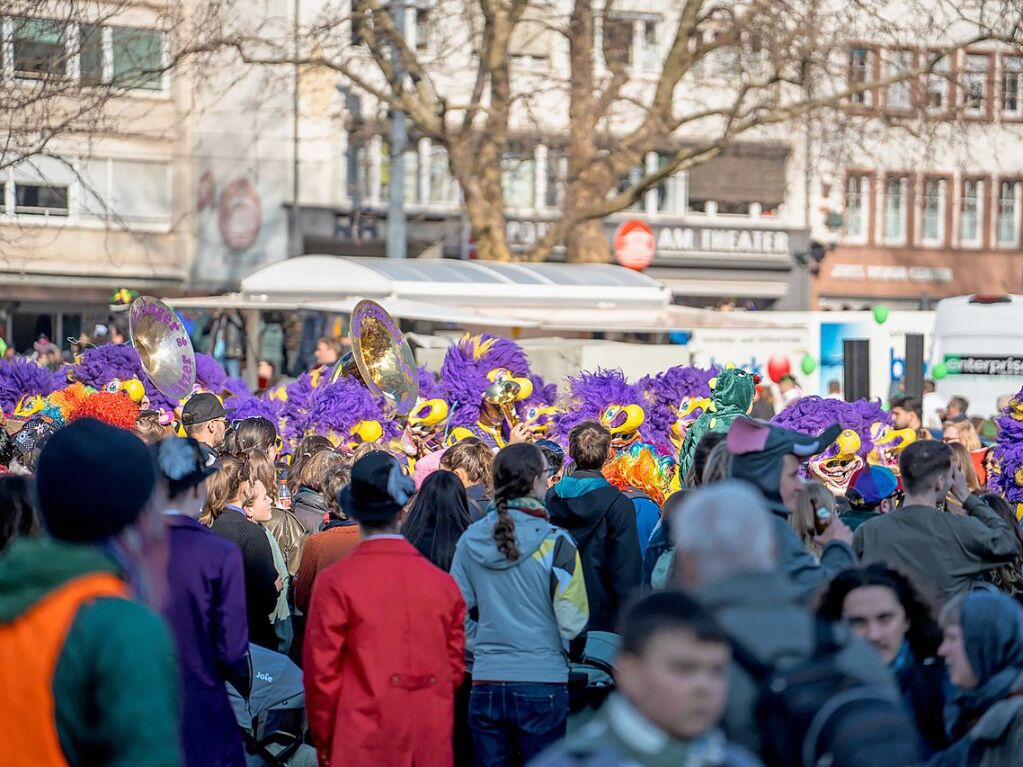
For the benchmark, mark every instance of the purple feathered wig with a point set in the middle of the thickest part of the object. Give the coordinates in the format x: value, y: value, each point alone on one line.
x: 209, y: 374
x: 812, y: 415
x: 295, y: 410
x: 337, y: 407
x: 1008, y: 454
x: 429, y: 386
x: 664, y: 393
x: 20, y: 377
x: 587, y: 395
x: 102, y: 364
x: 249, y: 406
x: 465, y: 368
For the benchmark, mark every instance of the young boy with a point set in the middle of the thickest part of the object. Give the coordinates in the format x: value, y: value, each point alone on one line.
x: 672, y: 687
x: 385, y: 639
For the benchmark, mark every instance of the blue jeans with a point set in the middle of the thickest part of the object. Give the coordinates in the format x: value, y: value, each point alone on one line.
x: 512, y: 722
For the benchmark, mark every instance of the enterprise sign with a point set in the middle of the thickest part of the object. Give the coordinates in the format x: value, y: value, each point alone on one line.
x: 973, y: 365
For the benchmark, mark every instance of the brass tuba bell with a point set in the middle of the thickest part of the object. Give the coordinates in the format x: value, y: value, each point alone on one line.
x: 504, y: 394
x: 163, y: 346
x: 380, y: 357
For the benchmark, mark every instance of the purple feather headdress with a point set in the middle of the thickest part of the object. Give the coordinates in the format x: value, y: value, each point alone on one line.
x: 465, y: 368
x: 209, y: 375
x: 587, y: 395
x: 337, y: 407
x: 812, y: 415
x: 101, y: 364
x: 295, y: 410
x: 1008, y: 454
x: 429, y: 386
x: 664, y: 393
x: 20, y: 377
x: 250, y: 406
x: 544, y: 394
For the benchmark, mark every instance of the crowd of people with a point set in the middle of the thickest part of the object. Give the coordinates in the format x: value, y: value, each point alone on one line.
x: 508, y: 604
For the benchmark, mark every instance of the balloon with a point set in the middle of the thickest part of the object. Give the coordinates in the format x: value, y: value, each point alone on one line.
x: 777, y: 368
x: 939, y: 372
x: 808, y: 364
x: 880, y: 314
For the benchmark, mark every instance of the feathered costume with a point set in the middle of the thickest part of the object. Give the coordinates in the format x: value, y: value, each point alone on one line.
x: 836, y: 466
x: 732, y: 393
x: 675, y: 399
x: 348, y: 415
x: 469, y: 367
x: 209, y: 375
x: 114, y: 367
x: 20, y: 380
x: 608, y: 398
x: 1006, y: 475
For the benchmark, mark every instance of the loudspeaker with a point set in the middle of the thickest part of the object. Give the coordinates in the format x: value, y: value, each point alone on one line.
x: 914, y: 376
x: 856, y: 365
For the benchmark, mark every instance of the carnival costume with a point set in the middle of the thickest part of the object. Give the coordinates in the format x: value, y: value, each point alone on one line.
x: 348, y: 415
x: 731, y: 395
x: 1005, y: 475
x: 675, y: 398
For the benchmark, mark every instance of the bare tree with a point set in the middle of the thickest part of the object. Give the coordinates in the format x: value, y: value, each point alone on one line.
x: 721, y: 72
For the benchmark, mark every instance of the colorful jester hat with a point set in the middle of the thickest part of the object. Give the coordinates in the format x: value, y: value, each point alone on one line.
x: 348, y: 415
x: 1007, y: 476
x: 840, y: 461
x: 23, y: 385
x: 675, y: 399
x: 731, y: 395
x: 605, y: 396
x: 471, y: 365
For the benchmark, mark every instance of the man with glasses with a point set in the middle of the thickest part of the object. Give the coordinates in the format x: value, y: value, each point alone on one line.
x: 205, y: 420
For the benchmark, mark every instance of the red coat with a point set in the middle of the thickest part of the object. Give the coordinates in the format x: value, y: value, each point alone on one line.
x: 383, y: 655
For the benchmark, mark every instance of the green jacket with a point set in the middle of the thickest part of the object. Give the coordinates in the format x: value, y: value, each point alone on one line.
x: 115, y: 684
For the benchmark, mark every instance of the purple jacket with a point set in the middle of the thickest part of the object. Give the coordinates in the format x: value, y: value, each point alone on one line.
x: 205, y: 606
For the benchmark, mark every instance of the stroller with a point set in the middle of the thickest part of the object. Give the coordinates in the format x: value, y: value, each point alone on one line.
x: 272, y: 718
x: 591, y: 680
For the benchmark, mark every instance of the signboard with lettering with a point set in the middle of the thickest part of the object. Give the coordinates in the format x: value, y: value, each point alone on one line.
x: 893, y: 273
x: 983, y: 365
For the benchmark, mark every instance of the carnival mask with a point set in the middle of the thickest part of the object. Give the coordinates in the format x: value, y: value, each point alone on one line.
x: 836, y: 466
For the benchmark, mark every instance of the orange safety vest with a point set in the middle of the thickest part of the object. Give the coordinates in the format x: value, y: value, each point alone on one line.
x: 29, y: 649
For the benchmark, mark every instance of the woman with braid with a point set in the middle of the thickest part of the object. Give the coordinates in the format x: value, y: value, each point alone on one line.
x: 525, y: 599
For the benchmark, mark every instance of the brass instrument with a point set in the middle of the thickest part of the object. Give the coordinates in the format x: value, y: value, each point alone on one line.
x: 164, y: 347
x: 504, y: 394
x: 380, y: 358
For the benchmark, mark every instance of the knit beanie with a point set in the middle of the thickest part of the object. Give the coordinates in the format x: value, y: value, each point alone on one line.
x: 93, y: 481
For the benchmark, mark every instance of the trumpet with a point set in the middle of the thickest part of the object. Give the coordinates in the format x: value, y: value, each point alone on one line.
x: 504, y: 394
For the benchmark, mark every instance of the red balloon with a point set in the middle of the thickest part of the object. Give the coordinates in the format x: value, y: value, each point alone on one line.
x: 778, y: 367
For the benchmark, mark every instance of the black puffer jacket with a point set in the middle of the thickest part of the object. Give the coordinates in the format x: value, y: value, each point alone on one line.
x: 308, y: 505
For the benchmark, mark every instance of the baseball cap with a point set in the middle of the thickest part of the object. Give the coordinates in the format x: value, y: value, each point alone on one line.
x: 871, y: 485
x: 202, y: 407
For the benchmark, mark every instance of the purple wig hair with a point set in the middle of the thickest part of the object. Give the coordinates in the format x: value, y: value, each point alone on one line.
x: 337, y: 407
x: 587, y: 394
x: 429, y: 386
x: 209, y: 374
x: 1008, y: 454
x: 20, y: 377
x: 101, y: 364
x: 465, y: 368
x: 812, y: 415
x: 295, y: 410
x: 664, y: 393
x: 543, y: 392
x: 249, y: 406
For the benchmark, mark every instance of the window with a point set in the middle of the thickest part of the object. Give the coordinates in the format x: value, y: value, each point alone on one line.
x: 40, y: 198
x: 899, y: 96
x: 90, y: 54
x: 969, y: 215
x: 649, y: 55
x: 696, y: 206
x: 895, y: 209
x: 938, y: 84
x: 633, y: 178
x: 443, y: 188
x: 1008, y: 218
x: 518, y: 179
x: 734, y: 208
x: 411, y: 162
x: 41, y: 185
x: 38, y: 48
x: 3, y: 197
x: 137, y: 58
x: 557, y: 176
x: 856, y: 196
x: 861, y: 70
x: 617, y: 42
x: 975, y: 84
x: 1012, y: 80
x: 531, y: 40
x: 124, y: 191
x: 933, y: 231
x: 669, y: 191
x: 422, y: 30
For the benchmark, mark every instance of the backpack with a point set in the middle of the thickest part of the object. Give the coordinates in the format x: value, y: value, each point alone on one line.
x: 813, y: 714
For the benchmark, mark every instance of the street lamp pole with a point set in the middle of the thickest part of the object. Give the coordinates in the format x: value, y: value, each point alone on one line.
x: 397, y: 240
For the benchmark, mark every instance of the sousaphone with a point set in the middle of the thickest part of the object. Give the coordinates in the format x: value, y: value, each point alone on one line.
x: 164, y: 347
x: 380, y: 358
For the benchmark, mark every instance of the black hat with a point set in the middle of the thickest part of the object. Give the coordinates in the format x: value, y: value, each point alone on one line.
x: 200, y: 408
x: 378, y: 490
x: 93, y: 481
x: 759, y: 447
x: 183, y: 463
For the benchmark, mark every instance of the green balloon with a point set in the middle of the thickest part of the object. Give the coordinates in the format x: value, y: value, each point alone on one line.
x: 808, y: 364
x: 880, y: 314
x: 939, y: 372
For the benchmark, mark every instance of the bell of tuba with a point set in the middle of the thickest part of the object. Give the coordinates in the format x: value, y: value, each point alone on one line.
x: 163, y: 346
x: 380, y: 357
